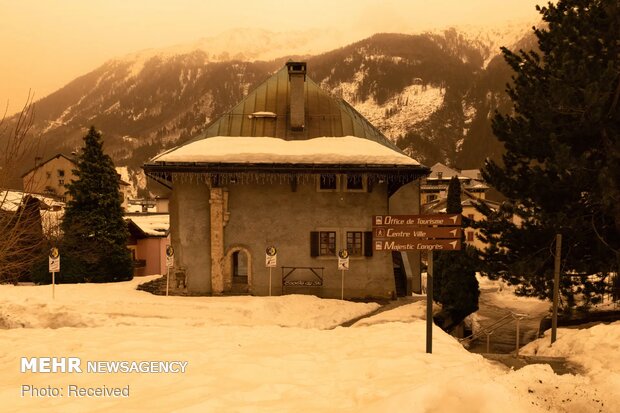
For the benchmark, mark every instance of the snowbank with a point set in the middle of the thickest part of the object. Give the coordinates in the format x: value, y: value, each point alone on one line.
x: 273, y: 354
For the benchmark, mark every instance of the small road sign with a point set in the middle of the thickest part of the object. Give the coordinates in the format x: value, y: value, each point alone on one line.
x: 409, y: 232
x: 423, y: 220
x: 54, y: 260
x: 416, y: 244
x: 169, y: 256
x: 343, y: 260
x: 271, y: 257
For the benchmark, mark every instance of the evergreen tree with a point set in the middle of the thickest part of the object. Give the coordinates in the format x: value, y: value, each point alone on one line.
x: 454, y: 277
x: 561, y: 167
x: 95, y: 235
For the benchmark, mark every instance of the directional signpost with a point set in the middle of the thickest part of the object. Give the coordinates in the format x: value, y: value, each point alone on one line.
x: 433, y: 232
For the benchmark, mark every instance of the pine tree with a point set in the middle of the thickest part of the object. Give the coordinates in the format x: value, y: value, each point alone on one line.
x: 454, y: 277
x: 95, y: 235
x: 561, y: 167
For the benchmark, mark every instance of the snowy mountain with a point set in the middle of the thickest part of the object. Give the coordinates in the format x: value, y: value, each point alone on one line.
x: 431, y: 93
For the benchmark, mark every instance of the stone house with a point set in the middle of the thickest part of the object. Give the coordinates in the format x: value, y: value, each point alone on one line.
x: 51, y: 177
x: 293, y: 167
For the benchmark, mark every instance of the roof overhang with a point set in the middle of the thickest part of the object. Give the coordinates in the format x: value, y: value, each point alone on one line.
x: 168, y: 172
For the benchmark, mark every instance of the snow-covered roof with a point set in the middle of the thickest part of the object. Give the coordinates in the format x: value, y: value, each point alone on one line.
x: 11, y: 200
x: 349, y: 150
x: 154, y: 225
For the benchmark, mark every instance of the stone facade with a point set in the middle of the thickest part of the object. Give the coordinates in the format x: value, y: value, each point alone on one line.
x: 258, y: 215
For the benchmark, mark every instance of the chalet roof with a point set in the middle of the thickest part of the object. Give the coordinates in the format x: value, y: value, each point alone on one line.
x: 467, y: 199
x: 265, y: 112
x: 348, y: 150
x: 10, y: 200
x: 149, y: 225
x: 59, y: 155
x: 441, y: 171
x: 231, y: 143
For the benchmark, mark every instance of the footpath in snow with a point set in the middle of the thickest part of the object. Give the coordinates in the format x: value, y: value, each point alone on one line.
x: 279, y: 354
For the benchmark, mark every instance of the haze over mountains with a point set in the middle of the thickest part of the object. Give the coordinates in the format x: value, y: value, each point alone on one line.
x: 432, y: 93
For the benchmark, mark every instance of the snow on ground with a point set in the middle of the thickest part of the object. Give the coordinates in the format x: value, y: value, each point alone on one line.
x: 120, y: 304
x: 502, y: 294
x: 266, y: 354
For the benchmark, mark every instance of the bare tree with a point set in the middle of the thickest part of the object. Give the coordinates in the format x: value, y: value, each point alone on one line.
x: 21, y: 239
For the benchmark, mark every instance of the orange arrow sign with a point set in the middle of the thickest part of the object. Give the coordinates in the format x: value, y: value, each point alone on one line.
x: 410, y: 231
x: 425, y: 220
x: 418, y: 245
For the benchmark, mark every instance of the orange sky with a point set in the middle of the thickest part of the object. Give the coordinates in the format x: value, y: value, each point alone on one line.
x: 44, y: 44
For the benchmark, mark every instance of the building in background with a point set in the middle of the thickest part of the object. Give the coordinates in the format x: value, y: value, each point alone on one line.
x: 50, y: 178
x: 435, y: 185
x: 148, y: 238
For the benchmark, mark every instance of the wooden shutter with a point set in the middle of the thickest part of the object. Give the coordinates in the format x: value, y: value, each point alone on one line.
x: 314, y: 244
x: 368, y: 244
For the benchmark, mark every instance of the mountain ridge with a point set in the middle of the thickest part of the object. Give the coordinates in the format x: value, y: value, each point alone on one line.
x: 427, y: 92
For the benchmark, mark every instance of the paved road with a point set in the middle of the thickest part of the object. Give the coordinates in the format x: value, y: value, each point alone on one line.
x: 493, y: 306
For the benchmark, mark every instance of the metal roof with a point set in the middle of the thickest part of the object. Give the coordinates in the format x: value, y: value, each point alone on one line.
x: 265, y: 112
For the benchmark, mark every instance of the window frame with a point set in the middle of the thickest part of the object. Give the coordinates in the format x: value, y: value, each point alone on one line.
x: 319, y: 180
x: 364, y: 187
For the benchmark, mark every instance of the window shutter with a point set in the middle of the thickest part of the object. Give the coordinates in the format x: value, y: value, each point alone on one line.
x: 368, y: 244
x: 314, y: 244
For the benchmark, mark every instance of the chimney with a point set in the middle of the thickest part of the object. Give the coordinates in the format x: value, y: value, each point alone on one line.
x: 297, y: 78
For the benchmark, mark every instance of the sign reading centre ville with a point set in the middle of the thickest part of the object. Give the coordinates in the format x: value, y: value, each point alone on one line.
x: 434, y: 232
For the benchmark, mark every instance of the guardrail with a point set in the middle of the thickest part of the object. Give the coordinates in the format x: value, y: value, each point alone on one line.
x: 490, y: 329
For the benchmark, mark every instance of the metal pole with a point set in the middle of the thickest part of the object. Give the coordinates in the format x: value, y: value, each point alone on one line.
x: 556, y: 287
x: 342, y: 286
x: 517, y: 349
x: 269, y: 281
x: 53, y: 285
x: 167, y: 281
x: 429, y: 304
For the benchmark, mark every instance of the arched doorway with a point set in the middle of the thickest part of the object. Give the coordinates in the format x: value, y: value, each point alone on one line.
x: 238, y: 270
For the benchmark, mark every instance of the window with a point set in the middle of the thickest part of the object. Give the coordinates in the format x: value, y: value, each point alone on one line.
x: 328, y: 182
x: 354, y: 243
x: 355, y: 182
x: 470, y: 216
x: 323, y: 243
x: 61, y: 182
x: 470, y: 236
x: 431, y: 197
x: 327, y: 243
x: 61, y: 172
x: 439, y: 175
x: 48, y: 174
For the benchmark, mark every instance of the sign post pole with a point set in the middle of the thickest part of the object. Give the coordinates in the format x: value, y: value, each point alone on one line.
x: 169, y: 264
x: 54, y: 267
x: 556, y: 287
x: 167, y: 280
x: 271, y: 259
x: 429, y: 304
x: 343, y: 265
